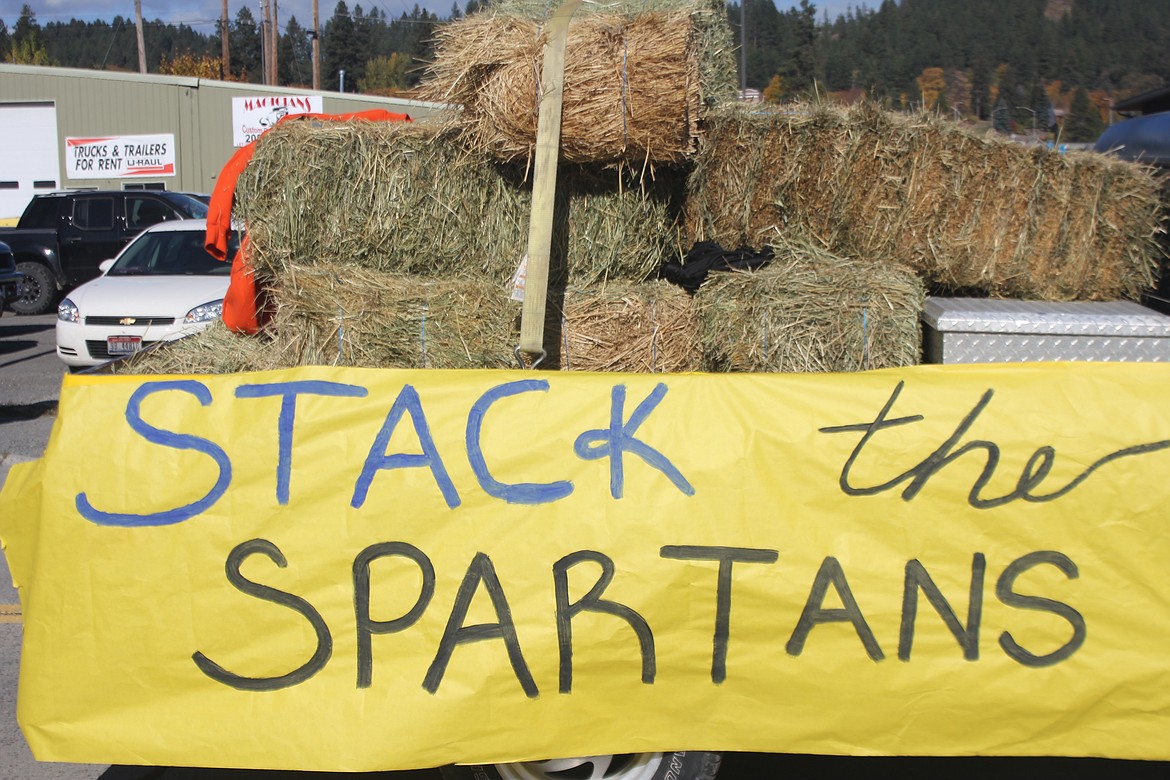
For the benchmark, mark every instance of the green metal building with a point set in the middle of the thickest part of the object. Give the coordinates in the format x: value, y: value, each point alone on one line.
x: 64, y: 128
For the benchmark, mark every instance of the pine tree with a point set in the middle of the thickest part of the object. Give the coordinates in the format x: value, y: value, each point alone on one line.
x: 1084, y: 122
x: 340, y: 53
x: 294, y: 61
x: 27, y: 46
x: 244, y: 42
x: 802, y: 70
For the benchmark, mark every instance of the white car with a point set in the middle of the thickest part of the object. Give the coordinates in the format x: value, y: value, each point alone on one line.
x: 161, y: 287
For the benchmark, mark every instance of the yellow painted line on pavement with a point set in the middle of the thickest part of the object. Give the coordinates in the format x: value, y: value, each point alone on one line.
x: 10, y: 613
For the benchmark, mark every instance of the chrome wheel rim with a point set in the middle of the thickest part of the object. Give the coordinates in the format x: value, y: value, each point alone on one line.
x: 625, y: 766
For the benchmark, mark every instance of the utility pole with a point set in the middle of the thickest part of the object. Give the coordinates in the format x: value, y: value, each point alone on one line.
x: 274, y: 32
x: 266, y: 40
x: 226, y: 67
x: 316, y: 48
x: 141, y: 40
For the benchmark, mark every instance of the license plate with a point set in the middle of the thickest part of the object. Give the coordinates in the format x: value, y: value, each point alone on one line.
x: 123, y: 345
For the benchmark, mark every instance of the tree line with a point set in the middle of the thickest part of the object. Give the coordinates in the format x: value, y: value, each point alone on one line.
x: 377, y: 54
x: 1019, y: 64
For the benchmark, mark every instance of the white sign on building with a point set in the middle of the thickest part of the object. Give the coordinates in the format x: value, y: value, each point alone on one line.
x: 251, y: 116
x: 120, y: 156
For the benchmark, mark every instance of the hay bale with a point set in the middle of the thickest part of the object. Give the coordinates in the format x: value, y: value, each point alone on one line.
x: 809, y: 310
x: 213, y: 350
x: 637, y: 78
x: 972, y: 215
x: 409, y: 199
x: 337, y: 315
x: 648, y: 328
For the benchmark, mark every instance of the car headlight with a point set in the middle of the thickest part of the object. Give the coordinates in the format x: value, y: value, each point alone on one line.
x: 204, y: 312
x: 67, y: 311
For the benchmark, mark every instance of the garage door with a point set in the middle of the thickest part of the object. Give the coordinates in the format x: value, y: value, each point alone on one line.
x: 29, y: 161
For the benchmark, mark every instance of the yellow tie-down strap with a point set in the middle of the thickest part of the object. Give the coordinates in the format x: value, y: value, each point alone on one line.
x: 351, y: 570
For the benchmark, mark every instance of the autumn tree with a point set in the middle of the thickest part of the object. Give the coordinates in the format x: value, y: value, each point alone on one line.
x: 385, y: 75
x: 203, y: 66
x: 932, y: 84
x: 774, y: 92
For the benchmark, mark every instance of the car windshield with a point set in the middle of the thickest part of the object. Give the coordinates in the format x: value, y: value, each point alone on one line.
x: 171, y: 253
x: 193, y: 208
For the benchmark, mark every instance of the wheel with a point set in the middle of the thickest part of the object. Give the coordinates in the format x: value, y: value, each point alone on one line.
x: 629, y: 766
x: 38, y: 291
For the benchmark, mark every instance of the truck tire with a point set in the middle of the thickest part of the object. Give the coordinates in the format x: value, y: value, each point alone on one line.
x: 38, y: 291
x: 630, y: 766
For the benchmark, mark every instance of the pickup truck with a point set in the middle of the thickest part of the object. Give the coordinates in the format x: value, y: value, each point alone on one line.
x: 10, y: 278
x: 63, y: 237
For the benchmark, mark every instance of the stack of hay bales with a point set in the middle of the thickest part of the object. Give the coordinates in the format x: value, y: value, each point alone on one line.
x: 407, y: 258
x: 396, y: 245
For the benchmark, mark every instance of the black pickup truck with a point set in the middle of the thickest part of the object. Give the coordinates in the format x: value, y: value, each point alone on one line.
x: 10, y: 278
x: 62, y: 237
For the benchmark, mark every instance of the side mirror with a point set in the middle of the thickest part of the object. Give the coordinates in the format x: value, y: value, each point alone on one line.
x: 105, y: 265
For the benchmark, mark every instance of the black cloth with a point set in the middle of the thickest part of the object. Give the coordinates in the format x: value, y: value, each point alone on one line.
x: 707, y: 256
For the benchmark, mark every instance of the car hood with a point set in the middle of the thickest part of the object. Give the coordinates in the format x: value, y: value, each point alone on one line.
x: 147, y: 295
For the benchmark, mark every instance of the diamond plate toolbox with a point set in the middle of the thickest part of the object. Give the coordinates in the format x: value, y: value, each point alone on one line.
x: 974, y: 330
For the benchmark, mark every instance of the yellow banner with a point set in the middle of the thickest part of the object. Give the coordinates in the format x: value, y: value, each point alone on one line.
x: 332, y: 569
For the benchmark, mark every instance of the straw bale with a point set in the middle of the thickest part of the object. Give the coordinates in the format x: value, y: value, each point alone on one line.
x: 213, y: 350
x: 809, y: 311
x: 409, y: 199
x: 637, y: 78
x: 971, y: 214
x: 341, y: 315
x: 632, y: 328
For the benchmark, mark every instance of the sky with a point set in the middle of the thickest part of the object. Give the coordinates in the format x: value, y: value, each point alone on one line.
x: 201, y: 14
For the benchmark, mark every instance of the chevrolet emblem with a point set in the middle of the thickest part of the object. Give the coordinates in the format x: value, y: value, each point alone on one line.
x: 127, y: 321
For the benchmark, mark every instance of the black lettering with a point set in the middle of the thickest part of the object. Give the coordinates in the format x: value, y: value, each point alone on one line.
x: 480, y: 571
x: 366, y: 626
x: 918, y: 578
x: 727, y: 556
x: 1038, y: 467
x: 296, y: 603
x: 592, y: 602
x: 1005, y: 593
x: 815, y: 613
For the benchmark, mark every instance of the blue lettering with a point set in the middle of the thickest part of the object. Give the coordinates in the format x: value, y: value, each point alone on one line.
x: 178, y: 441
x: 619, y: 438
x: 288, y: 411
x: 518, y: 493
x: 407, y: 402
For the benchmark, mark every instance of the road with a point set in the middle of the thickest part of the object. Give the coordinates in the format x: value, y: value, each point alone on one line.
x: 30, y: 378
